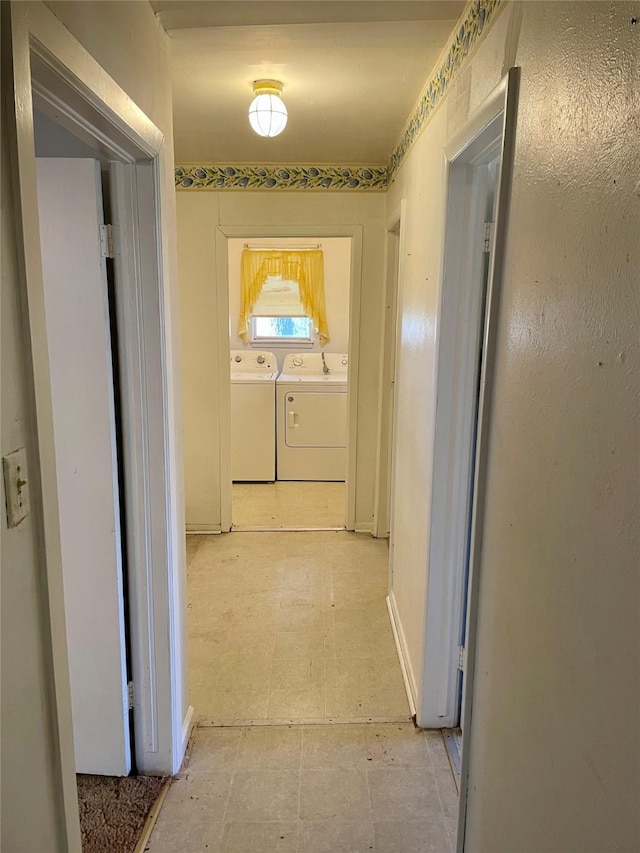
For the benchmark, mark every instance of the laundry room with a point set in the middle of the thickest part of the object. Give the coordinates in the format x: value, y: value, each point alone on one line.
x: 289, y: 301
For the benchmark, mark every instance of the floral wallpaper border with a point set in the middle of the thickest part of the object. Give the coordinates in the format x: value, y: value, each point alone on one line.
x: 479, y: 15
x: 477, y: 19
x: 281, y: 177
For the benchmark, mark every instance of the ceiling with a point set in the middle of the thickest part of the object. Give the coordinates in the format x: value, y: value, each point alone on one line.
x: 351, y: 72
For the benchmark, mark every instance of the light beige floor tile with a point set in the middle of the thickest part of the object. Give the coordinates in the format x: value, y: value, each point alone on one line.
x: 334, y: 794
x: 351, y: 672
x: 333, y: 747
x: 235, y: 705
x: 187, y: 836
x: 297, y: 703
x: 270, y: 748
x: 201, y: 797
x: 364, y: 702
x: 411, y: 836
x: 236, y: 673
x: 301, y: 617
x: 214, y: 750
x: 299, y: 673
x: 263, y: 795
x: 336, y: 837
x: 260, y: 837
x: 396, y: 745
x: 299, y: 644
x: 288, y: 504
x: 403, y: 793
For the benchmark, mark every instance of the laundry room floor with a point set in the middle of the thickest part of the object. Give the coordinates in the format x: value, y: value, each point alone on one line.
x: 288, y: 504
x: 291, y: 627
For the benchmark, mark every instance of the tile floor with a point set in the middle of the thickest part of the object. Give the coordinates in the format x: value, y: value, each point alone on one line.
x: 288, y: 505
x: 294, y: 627
x: 345, y: 788
x: 291, y: 627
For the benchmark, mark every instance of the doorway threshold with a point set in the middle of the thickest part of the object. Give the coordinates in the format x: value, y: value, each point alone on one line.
x: 246, y: 528
x: 453, y: 744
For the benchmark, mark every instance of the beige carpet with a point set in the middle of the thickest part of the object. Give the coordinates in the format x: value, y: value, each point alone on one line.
x: 113, y: 811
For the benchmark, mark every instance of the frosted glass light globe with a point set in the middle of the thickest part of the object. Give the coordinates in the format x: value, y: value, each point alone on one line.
x: 268, y: 115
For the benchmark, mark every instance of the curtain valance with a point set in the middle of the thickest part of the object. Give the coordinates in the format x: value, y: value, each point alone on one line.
x: 306, y: 267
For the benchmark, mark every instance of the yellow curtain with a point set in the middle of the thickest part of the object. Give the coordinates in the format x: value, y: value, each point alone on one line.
x: 306, y: 267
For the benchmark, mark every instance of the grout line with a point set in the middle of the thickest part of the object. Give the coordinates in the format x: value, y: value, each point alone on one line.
x: 233, y: 775
x: 299, y: 819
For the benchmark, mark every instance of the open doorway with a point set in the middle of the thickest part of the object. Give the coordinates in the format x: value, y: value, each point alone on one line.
x: 71, y: 118
x: 80, y: 314
x: 289, y: 301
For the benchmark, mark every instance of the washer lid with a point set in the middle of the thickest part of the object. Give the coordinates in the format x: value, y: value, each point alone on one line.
x: 253, y: 376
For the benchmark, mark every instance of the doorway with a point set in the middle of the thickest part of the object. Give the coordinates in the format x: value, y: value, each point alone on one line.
x: 289, y: 383
x: 317, y: 500
x: 79, y: 294
x: 64, y: 84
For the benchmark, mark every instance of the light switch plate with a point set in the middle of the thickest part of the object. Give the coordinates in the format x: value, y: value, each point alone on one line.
x: 16, y: 486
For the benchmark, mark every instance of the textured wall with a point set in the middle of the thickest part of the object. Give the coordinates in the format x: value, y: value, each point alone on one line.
x: 554, y: 763
x: 554, y: 749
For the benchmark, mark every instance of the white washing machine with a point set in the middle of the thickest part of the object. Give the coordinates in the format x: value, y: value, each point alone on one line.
x: 253, y: 416
x: 311, y: 402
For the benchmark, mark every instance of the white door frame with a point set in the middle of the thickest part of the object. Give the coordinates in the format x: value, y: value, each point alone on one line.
x: 47, y: 61
x: 505, y: 94
x: 224, y: 233
x: 388, y: 368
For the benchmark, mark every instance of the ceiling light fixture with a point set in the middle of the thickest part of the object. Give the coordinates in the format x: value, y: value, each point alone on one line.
x: 267, y: 112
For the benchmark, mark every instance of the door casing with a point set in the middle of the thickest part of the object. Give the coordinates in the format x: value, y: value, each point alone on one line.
x: 47, y: 63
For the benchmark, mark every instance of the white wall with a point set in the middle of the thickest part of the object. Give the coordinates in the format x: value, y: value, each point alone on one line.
x: 337, y: 281
x: 555, y: 702
x: 199, y: 213
x: 134, y: 50
x: 31, y: 779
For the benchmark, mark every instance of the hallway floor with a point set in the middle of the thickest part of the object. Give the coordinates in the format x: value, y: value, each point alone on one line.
x: 304, y: 741
x: 325, y: 788
x: 292, y: 627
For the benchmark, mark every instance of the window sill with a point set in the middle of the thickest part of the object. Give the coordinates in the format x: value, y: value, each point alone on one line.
x: 279, y: 343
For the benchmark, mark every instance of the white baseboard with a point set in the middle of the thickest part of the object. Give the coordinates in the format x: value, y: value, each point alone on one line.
x: 202, y: 529
x: 401, y: 646
x: 187, y: 725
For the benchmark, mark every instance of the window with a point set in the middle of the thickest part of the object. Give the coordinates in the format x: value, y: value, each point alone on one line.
x: 278, y: 313
x: 282, y: 283
x: 285, y: 328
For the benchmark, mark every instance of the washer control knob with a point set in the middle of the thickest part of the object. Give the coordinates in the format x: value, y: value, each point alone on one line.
x: 260, y: 359
x: 238, y: 358
x: 297, y: 361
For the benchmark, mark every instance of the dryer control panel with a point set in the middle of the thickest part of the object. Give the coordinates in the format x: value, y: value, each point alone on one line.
x: 313, y: 363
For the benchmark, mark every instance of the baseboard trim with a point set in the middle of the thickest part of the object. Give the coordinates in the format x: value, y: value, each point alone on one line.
x: 187, y: 726
x: 407, y: 676
x: 199, y: 530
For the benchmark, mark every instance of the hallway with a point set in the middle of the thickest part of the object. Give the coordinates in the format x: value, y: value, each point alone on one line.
x: 291, y: 627
x: 290, y: 631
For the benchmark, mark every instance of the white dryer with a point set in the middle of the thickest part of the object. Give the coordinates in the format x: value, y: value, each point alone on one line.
x: 311, y: 395
x: 253, y: 416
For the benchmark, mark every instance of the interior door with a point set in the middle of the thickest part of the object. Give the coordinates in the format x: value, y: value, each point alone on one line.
x: 82, y: 383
